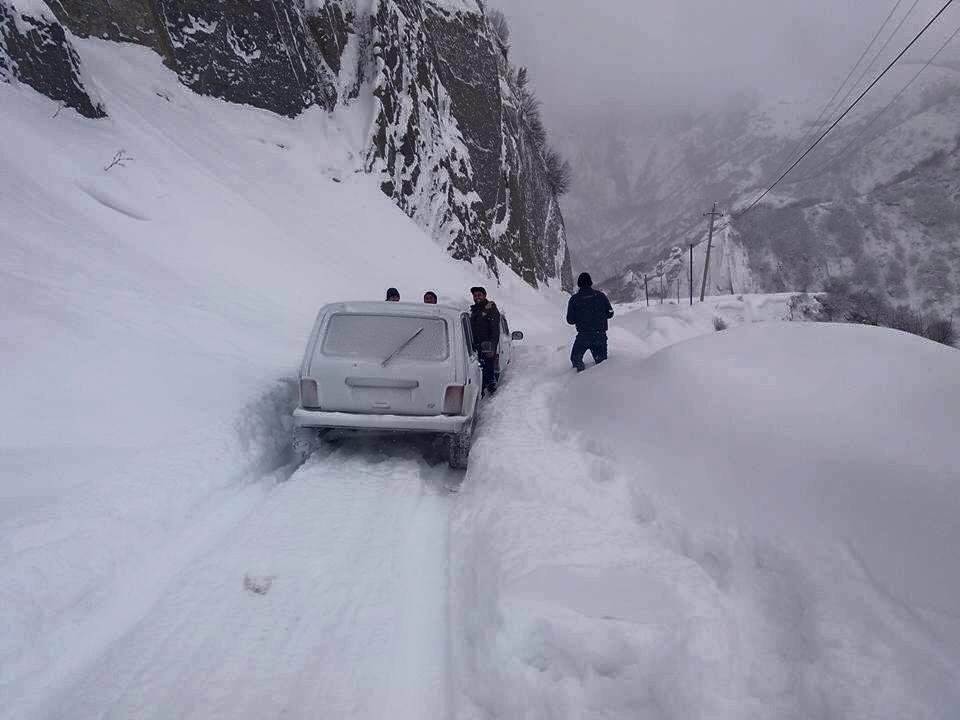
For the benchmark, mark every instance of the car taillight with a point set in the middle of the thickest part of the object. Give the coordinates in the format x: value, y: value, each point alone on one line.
x: 453, y: 400
x: 309, y: 393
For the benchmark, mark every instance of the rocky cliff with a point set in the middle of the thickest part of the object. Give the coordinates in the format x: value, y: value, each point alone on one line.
x: 34, y: 49
x: 444, y: 136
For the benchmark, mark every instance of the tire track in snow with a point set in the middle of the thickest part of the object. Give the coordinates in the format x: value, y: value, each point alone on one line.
x: 351, y: 555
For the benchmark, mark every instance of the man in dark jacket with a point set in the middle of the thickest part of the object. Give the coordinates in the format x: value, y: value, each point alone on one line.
x: 485, y: 324
x: 589, y: 310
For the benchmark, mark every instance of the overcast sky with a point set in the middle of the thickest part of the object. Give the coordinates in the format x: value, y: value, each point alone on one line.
x: 691, y: 52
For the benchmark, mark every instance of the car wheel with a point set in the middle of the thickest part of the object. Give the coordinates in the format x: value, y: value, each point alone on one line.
x: 306, y: 441
x: 458, y: 448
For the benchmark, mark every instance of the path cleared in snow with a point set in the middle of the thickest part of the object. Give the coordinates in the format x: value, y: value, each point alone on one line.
x: 328, y: 600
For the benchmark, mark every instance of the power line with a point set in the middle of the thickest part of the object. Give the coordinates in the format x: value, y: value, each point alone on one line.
x: 816, y: 125
x: 886, y: 107
x: 850, y: 107
x: 880, y: 52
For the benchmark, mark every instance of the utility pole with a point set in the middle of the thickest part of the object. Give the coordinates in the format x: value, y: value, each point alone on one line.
x: 646, y: 291
x: 691, y: 274
x: 678, y: 289
x: 713, y: 214
x: 660, y: 273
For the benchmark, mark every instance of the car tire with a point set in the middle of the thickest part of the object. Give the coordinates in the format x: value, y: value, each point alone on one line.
x: 458, y: 448
x: 305, y: 442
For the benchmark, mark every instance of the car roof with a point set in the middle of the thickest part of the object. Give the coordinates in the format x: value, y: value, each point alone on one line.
x: 382, y: 307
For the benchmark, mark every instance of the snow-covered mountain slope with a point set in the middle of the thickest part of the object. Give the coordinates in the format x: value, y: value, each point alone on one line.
x: 438, y: 119
x: 875, y: 203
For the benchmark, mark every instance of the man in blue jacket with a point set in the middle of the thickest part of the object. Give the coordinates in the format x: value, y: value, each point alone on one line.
x: 589, y: 310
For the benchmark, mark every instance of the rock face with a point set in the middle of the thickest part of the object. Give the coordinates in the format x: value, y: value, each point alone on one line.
x: 257, y: 52
x: 445, y: 137
x: 449, y: 144
x: 35, y: 50
x: 138, y: 21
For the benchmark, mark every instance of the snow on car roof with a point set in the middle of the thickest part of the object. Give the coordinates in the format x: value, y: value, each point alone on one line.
x: 382, y: 307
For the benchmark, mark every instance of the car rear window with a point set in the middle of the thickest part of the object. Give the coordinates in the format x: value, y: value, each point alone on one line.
x: 376, y: 337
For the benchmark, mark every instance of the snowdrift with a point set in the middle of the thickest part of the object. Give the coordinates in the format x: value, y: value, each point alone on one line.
x: 754, y: 523
x: 812, y: 432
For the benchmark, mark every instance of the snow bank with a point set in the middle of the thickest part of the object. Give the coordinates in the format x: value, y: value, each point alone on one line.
x: 841, y: 433
x: 754, y: 523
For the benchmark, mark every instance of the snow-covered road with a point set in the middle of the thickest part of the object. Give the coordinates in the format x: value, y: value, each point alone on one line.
x: 327, y: 599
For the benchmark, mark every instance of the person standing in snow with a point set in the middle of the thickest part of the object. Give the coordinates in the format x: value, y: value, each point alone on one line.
x: 590, y: 311
x: 485, y: 323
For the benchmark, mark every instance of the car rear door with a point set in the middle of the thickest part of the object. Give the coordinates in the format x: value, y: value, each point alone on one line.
x: 383, y: 364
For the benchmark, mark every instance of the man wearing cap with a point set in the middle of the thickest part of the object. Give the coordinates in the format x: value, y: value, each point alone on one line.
x: 590, y: 311
x: 485, y: 324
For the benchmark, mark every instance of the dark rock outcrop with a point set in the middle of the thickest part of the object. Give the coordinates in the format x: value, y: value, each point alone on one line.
x: 35, y: 50
x: 137, y: 21
x: 256, y: 52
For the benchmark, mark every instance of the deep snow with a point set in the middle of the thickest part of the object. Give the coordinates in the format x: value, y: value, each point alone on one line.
x: 751, y: 523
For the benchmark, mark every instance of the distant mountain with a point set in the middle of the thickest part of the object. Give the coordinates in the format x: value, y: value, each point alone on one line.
x: 431, y: 85
x: 876, y: 205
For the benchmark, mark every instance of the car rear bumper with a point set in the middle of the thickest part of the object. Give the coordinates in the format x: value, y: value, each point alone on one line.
x: 397, y: 423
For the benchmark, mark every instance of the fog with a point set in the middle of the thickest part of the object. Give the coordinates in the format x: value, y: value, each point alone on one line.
x: 663, y: 54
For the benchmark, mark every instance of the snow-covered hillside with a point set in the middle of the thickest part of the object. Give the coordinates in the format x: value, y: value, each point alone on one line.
x: 430, y: 88
x: 747, y: 524
x: 875, y: 204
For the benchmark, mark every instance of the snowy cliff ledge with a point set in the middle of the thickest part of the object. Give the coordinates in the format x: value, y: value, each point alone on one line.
x: 431, y: 91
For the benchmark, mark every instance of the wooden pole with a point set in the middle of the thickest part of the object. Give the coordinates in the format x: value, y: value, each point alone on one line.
x: 691, y: 274
x: 706, y: 264
x: 646, y: 290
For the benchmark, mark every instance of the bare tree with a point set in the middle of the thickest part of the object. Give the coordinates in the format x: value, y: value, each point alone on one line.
x: 119, y: 160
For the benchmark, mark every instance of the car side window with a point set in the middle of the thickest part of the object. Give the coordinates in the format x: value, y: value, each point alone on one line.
x: 467, y: 334
x: 503, y: 322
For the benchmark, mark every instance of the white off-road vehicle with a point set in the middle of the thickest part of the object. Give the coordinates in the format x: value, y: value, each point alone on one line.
x: 390, y: 367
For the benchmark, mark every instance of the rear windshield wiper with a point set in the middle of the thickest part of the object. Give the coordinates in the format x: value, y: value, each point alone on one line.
x: 396, y: 352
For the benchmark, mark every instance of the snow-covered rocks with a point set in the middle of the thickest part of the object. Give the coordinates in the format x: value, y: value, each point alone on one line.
x: 35, y: 49
x: 260, y: 53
